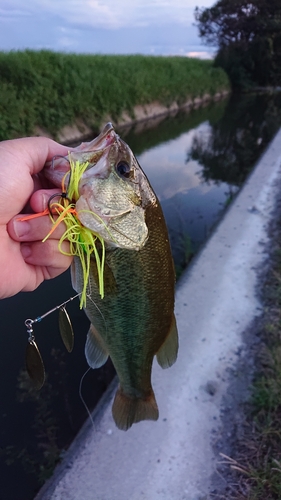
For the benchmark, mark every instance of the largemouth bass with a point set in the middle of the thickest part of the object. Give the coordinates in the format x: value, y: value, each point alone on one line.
x: 135, y: 319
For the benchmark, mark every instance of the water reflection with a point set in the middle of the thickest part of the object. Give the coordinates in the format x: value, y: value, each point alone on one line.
x: 238, y: 138
x: 196, y: 162
x: 191, y: 206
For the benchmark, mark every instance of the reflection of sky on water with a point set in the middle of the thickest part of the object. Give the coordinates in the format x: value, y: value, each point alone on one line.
x: 166, y: 167
x: 191, y: 206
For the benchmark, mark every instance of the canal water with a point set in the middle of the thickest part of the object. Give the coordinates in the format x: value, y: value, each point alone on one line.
x: 196, y: 162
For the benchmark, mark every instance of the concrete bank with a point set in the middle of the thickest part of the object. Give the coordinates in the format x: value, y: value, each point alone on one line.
x: 215, y: 303
x: 142, y: 114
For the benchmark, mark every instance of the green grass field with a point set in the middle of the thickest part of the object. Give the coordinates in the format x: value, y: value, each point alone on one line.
x: 51, y: 89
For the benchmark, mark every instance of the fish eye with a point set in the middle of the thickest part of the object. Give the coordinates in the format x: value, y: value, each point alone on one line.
x: 123, y: 169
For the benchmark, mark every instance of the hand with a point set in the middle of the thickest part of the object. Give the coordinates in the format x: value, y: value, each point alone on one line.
x: 24, y: 260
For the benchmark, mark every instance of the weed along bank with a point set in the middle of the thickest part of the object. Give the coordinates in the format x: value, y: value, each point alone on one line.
x: 44, y: 92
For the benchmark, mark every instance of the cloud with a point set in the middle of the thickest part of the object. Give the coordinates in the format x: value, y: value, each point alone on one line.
x: 10, y: 14
x: 159, y: 27
x: 201, y: 54
x: 110, y: 14
x: 66, y: 43
x: 93, y: 13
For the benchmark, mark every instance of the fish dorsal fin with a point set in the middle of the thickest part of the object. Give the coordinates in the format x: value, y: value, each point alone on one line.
x: 167, y: 354
x: 95, y: 350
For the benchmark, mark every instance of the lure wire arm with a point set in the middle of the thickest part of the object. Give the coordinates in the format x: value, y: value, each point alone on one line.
x: 29, y: 322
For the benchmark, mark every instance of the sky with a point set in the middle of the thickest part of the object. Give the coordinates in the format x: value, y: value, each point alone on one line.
x: 156, y: 27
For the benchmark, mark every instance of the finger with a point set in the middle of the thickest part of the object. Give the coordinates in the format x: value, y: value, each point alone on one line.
x: 36, y: 151
x: 34, y: 229
x: 39, y: 200
x: 47, y: 255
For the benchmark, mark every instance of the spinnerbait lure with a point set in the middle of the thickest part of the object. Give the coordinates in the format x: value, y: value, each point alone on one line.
x: 33, y: 359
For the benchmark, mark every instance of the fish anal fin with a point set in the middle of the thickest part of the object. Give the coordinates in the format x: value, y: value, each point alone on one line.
x: 167, y: 354
x: 95, y: 350
x: 127, y: 410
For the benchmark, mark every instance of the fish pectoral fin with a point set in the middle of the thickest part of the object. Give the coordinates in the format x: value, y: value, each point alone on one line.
x: 95, y: 350
x: 110, y: 286
x: 74, y: 275
x: 109, y: 282
x: 167, y: 354
x: 128, y: 410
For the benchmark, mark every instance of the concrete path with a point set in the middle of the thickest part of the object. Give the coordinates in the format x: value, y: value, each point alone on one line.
x: 216, y: 300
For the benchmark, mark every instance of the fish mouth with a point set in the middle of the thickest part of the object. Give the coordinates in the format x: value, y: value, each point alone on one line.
x: 107, y: 134
x: 106, y: 138
x: 89, y: 152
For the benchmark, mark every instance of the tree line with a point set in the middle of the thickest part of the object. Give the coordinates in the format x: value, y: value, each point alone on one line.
x: 248, y: 37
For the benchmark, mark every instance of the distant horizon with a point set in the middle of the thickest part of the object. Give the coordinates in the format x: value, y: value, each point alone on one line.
x: 193, y: 54
x: 149, y: 27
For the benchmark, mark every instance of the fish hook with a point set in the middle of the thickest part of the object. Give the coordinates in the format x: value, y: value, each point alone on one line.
x: 63, y: 194
x: 57, y: 195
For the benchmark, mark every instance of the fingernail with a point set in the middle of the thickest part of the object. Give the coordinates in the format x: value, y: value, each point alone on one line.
x: 45, y: 200
x: 25, y: 251
x: 21, y: 228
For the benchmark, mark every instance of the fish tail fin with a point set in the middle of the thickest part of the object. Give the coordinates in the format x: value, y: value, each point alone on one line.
x: 128, y: 410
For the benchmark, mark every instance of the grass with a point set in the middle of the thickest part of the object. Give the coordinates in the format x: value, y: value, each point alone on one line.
x: 51, y: 90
